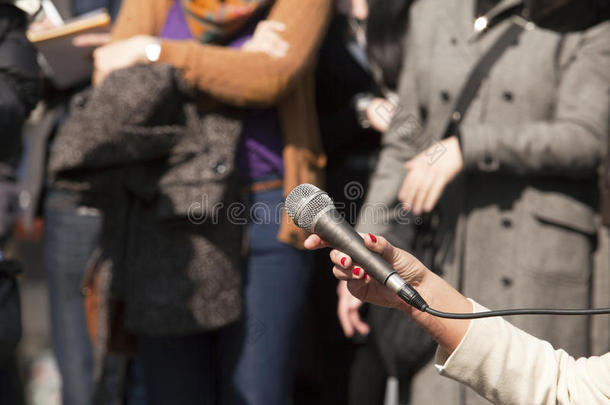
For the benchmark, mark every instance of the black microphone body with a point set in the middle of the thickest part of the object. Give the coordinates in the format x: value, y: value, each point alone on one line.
x: 333, y: 228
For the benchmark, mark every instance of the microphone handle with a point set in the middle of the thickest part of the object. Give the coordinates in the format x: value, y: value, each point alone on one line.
x: 333, y: 228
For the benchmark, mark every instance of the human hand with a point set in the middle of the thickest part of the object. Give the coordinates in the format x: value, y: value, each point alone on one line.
x: 436, y: 291
x: 267, y: 39
x: 363, y: 287
x: 41, y: 25
x: 439, y: 294
x: 379, y: 113
x: 426, y: 178
x: 347, y: 312
x: 93, y: 40
x: 119, y: 55
x: 355, y: 8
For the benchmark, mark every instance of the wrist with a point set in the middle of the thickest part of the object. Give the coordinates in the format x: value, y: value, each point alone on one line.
x: 423, y: 287
x: 361, y: 102
x: 151, y: 50
x: 441, y: 296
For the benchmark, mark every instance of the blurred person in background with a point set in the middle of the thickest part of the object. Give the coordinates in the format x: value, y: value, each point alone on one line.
x: 70, y: 234
x: 258, y: 56
x: 342, y: 76
x: 358, y: 72
x: 512, y: 185
x: 19, y: 92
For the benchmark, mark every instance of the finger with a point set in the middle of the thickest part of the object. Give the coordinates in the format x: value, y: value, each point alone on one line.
x: 97, y: 55
x: 272, y: 25
x: 97, y: 39
x: 379, y: 125
x: 98, y: 77
x: 276, y: 50
x: 341, y: 288
x: 342, y: 274
x: 436, y: 190
x: 357, y: 323
x: 402, y: 192
x: 274, y: 38
x: 314, y: 242
x: 271, y: 49
x: 410, y: 184
x: 280, y: 48
x: 255, y: 45
x: 340, y: 259
x: 352, y: 273
x: 380, y: 113
x: 265, y: 27
x: 248, y: 46
x: 358, y: 288
x: 274, y: 44
x: 345, y: 263
x: 421, y: 194
x: 346, y: 325
x: 411, y: 187
x: 358, y: 273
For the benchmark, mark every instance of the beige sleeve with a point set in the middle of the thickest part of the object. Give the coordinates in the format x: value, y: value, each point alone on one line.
x: 508, y: 366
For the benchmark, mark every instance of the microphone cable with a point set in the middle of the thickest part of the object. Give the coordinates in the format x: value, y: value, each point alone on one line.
x: 409, y: 295
x: 519, y: 311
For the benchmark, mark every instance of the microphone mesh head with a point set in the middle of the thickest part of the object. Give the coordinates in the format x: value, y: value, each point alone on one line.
x: 304, y: 202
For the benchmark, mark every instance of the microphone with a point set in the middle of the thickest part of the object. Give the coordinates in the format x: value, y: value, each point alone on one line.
x: 313, y: 209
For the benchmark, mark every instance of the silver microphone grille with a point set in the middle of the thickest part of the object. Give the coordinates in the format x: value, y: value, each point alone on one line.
x: 304, y: 202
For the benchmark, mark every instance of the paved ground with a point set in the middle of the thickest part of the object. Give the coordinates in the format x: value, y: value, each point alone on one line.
x: 39, y: 371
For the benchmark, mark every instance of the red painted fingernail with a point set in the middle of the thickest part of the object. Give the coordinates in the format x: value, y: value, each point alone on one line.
x: 343, y: 259
x: 356, y: 271
x: 366, y: 276
x: 373, y: 238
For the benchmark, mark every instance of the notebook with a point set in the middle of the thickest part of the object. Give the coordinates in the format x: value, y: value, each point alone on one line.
x: 68, y: 65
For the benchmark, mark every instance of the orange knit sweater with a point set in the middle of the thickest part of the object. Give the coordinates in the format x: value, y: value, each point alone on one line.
x: 252, y: 79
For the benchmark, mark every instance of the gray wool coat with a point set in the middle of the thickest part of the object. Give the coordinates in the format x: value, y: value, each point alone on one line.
x: 163, y: 174
x: 518, y: 225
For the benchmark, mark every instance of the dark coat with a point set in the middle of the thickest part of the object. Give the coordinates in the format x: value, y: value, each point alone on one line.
x: 163, y: 174
x: 519, y: 224
x: 18, y: 95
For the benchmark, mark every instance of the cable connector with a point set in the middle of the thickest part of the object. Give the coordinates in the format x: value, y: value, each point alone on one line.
x: 412, y: 297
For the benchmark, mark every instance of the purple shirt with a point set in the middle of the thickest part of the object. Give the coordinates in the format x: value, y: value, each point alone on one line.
x: 259, y: 153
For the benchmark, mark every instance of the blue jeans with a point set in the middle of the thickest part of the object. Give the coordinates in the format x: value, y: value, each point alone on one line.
x: 275, y: 289
x: 69, y: 241
x: 250, y: 362
x: 71, y: 234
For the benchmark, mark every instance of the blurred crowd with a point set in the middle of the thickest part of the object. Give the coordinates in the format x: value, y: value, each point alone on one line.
x: 472, y: 133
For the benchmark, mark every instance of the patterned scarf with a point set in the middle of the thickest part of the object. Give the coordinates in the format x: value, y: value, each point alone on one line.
x: 213, y: 21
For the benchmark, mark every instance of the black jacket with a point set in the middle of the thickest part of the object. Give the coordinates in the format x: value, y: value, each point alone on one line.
x: 163, y: 174
x: 18, y: 95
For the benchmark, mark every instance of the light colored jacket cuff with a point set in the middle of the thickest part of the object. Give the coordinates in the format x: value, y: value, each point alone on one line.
x: 446, y: 362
